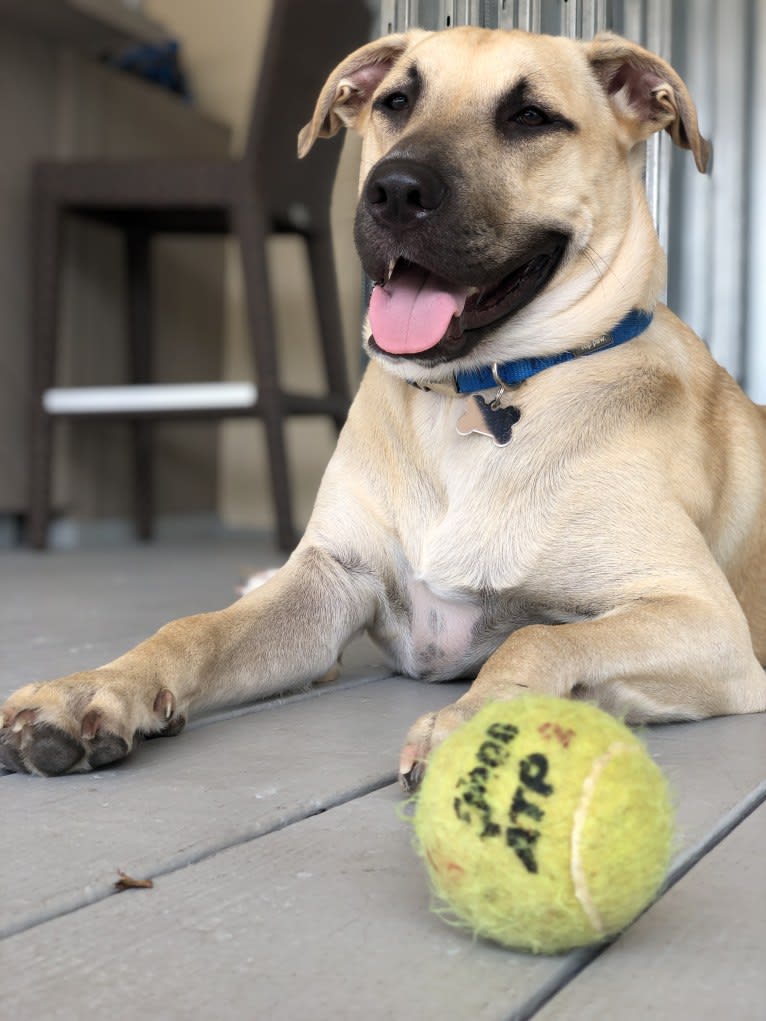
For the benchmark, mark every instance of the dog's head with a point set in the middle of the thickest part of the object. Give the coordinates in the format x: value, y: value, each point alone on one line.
x: 497, y: 172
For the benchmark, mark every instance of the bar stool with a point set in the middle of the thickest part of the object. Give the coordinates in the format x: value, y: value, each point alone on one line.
x: 264, y: 191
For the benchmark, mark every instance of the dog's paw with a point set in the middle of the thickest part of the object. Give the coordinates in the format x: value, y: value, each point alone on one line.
x: 426, y: 734
x: 81, y: 723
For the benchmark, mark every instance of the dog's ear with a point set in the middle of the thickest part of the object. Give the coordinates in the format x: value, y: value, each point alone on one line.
x: 646, y: 94
x: 348, y: 90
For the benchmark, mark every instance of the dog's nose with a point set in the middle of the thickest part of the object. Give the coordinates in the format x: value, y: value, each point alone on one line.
x: 401, y: 192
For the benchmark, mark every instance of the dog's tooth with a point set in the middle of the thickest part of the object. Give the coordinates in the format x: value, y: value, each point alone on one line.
x: 390, y: 270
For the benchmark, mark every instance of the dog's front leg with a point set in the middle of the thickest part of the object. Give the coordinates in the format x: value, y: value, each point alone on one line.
x: 654, y: 660
x: 281, y: 636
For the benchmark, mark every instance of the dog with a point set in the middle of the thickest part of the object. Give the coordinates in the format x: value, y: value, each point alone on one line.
x: 545, y: 482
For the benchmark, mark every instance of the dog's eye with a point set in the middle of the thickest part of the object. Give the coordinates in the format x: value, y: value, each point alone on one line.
x: 397, y: 101
x: 531, y: 117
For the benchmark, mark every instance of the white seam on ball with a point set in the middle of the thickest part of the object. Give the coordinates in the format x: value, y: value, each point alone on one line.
x: 580, y: 816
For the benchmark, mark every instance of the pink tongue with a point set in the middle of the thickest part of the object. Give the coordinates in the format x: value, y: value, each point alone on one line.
x: 412, y: 312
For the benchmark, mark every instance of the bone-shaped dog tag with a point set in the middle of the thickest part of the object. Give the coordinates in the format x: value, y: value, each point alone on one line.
x: 488, y: 420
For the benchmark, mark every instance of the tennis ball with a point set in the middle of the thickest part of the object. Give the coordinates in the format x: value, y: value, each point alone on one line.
x: 544, y: 824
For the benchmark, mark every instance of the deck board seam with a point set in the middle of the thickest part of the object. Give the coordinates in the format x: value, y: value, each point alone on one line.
x: 103, y: 891
x: 287, y: 699
x: 575, y: 965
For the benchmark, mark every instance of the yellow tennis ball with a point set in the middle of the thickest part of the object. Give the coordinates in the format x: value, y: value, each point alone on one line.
x: 544, y: 824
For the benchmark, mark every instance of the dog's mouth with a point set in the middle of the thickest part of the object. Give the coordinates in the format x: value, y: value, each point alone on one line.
x: 415, y: 313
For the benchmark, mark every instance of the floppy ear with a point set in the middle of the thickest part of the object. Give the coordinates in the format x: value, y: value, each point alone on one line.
x: 646, y: 94
x: 349, y: 88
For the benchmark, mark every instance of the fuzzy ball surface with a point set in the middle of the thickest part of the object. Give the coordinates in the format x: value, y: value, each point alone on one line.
x: 544, y: 824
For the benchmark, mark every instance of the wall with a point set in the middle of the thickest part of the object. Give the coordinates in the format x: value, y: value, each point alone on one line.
x: 222, y: 44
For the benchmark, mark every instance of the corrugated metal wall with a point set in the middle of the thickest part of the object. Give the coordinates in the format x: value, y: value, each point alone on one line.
x: 713, y: 227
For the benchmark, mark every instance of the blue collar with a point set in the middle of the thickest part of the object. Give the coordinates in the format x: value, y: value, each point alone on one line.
x: 511, y: 373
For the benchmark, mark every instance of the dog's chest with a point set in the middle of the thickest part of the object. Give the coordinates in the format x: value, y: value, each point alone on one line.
x: 471, y: 541
x: 478, y: 523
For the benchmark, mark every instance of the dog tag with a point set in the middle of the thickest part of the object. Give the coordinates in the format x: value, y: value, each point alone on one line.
x: 489, y: 420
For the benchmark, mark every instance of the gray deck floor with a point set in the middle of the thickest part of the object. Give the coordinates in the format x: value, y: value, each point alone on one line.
x: 286, y: 886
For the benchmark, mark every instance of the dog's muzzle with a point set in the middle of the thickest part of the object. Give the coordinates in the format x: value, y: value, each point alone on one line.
x: 411, y: 239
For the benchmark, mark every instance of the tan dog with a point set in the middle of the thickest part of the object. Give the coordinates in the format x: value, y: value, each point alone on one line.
x: 593, y: 529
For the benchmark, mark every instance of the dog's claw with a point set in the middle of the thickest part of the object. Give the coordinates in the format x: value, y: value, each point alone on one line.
x: 412, y: 778
x: 91, y: 724
x: 165, y: 704
x: 412, y: 761
x: 165, y: 708
x: 426, y: 734
x: 23, y: 719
